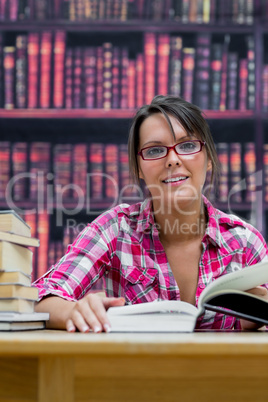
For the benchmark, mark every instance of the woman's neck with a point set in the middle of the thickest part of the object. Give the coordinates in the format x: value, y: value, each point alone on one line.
x: 176, y: 226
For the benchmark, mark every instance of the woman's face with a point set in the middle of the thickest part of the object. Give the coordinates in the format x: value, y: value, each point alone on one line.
x: 188, y: 172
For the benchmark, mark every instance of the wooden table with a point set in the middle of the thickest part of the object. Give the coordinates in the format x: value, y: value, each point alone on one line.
x: 56, y: 366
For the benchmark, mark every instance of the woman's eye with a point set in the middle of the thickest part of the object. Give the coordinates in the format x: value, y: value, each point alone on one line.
x: 154, y: 151
x: 188, y: 146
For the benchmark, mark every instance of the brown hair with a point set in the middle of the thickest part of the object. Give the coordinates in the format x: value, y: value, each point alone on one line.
x: 191, y: 118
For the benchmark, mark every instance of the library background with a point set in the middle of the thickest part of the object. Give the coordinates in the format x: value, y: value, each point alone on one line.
x: 72, y: 74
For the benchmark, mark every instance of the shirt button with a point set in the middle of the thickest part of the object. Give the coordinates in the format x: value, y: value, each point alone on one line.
x: 141, y: 277
x: 202, y: 286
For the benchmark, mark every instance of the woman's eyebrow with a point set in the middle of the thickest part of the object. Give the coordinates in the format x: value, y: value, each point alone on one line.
x: 186, y: 137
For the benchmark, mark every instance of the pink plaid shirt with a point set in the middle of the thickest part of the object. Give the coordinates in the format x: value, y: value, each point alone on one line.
x: 122, y: 247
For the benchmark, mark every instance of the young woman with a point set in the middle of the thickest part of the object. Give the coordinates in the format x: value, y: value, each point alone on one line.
x: 171, y: 246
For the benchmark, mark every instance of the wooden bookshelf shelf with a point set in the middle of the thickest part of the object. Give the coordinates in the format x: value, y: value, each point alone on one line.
x: 125, y: 26
x: 106, y: 114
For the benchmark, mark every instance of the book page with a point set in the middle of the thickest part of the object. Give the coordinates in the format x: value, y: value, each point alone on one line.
x: 242, y: 280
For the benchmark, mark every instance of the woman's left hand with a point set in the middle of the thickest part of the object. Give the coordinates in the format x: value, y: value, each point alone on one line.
x: 249, y: 325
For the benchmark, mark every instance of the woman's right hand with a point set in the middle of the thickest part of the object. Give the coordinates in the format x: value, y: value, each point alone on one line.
x: 89, y: 313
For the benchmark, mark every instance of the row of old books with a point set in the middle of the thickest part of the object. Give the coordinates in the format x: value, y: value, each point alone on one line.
x: 17, y: 296
x: 45, y: 172
x: 239, y: 178
x: 185, y: 11
x: 41, y: 72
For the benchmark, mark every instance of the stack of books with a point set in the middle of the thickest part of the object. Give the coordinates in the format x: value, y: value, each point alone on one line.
x: 17, y: 296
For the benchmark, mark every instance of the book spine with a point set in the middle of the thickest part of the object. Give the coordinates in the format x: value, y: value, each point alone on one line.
x: 223, y: 155
x: 116, y: 77
x: 249, y: 12
x: 111, y: 158
x: 62, y: 156
x: 188, y: 66
x: 21, y: 71
x: 89, y: 76
x: 131, y: 84
x: 77, y: 78
x: 216, y: 72
x: 207, y: 11
x: 99, y: 78
x: 251, y: 72
x: 39, y: 158
x: 31, y: 220
x: 107, y: 75
x: 124, y: 78
x: 19, y: 165
x: 163, y: 51
x: 45, y: 69
x: 33, y: 69
x: 80, y: 159
x: 223, y: 93
x: 250, y: 169
x: 149, y: 63
x: 1, y: 70
x: 235, y: 171
x: 59, y: 57
x: 43, y: 235
x: 9, y: 73
x: 41, y: 10
x: 175, y: 65
x: 265, y: 171
x: 125, y: 185
x: 96, y: 163
x: 5, y: 167
x: 68, y: 78
x: 232, y: 81
x: 201, y: 93
x: 243, y: 84
x: 185, y: 11
x: 265, y: 89
x: 140, y: 80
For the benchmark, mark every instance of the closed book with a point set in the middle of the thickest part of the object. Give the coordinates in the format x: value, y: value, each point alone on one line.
x: 265, y: 88
x: 107, y: 75
x: 11, y: 222
x: 243, y: 84
x: 249, y: 170
x: 202, y: 71
x: 116, y: 57
x: 62, y: 170
x: 14, y: 257
x: 235, y: 171
x: 18, y: 291
x: 223, y: 93
x: 39, y: 170
x: 99, y: 78
x: 223, y: 155
x: 45, y: 69
x: 175, y: 65
x: 265, y: 171
x: 111, y: 157
x: 232, y: 81
x: 251, y: 72
x: 79, y: 171
x: 132, y: 84
x: 43, y: 235
x: 21, y: 71
x: 17, y: 305
x: 96, y: 167
x: 59, y: 57
x: 140, y: 80
x: 25, y: 317
x: 22, y: 326
x: 77, y: 78
x: 150, y: 66
x: 20, y: 169
x: 33, y: 69
x: 124, y: 78
x: 188, y: 67
x: 68, y: 78
x: 20, y: 240
x: 163, y: 51
x: 215, y: 80
x: 15, y: 277
x: 89, y: 62
x: 9, y: 70
x: 5, y: 167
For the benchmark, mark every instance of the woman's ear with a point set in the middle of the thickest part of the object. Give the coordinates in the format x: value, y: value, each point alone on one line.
x: 209, y: 165
x: 140, y: 174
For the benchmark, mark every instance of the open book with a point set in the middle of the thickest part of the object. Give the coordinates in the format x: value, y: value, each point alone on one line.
x: 227, y: 294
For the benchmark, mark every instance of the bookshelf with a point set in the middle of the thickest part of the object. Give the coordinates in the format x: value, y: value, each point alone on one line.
x: 32, y: 112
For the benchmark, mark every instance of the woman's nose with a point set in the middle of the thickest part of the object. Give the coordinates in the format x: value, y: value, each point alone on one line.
x: 172, y: 158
